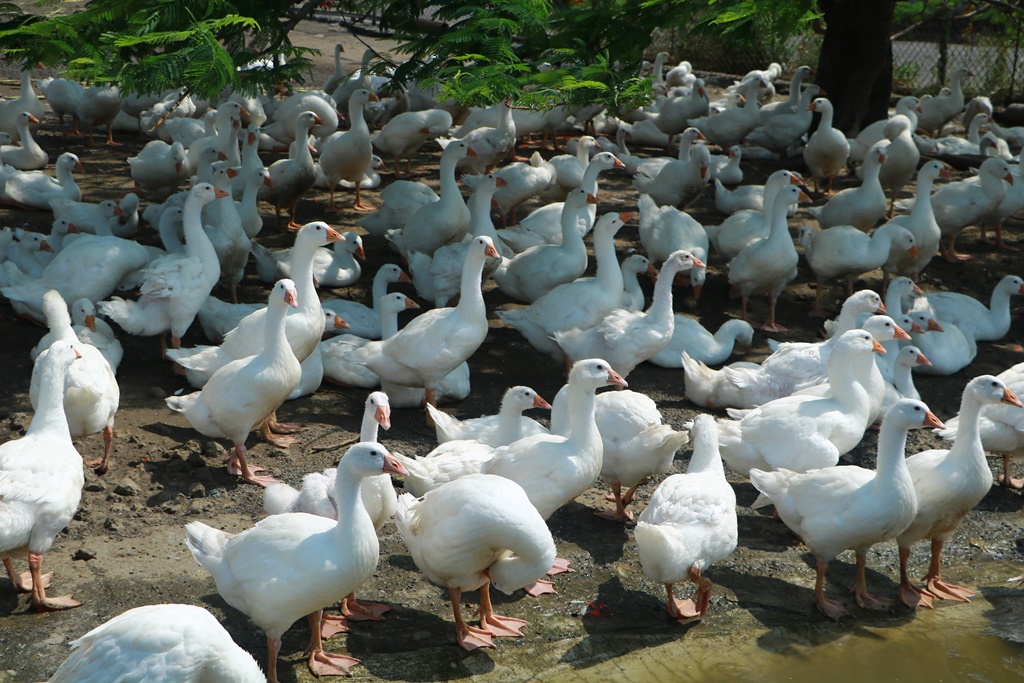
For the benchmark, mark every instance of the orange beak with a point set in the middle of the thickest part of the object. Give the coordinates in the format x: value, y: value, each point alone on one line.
x: 803, y: 197
x: 913, y: 250
x: 697, y: 263
x: 90, y: 322
x: 615, y: 379
x: 72, y: 228
x: 118, y: 211
x: 219, y: 193
x: 491, y: 251
x: 538, y: 402
x: 374, y: 98
x: 618, y: 163
x: 470, y: 152
x: 409, y: 303
x: 32, y: 119
x: 934, y: 326
x: 44, y: 246
x: 392, y: 466
x: 317, y: 119
x: 402, y: 277
x: 232, y: 173
x: 333, y: 235
x: 627, y: 216
x: 360, y: 253
x: 923, y: 359
x: 500, y: 182
x: 881, y: 309
x: 267, y: 181
x: 1009, y: 178
x: 930, y: 420
x: 340, y: 324
x: 900, y: 333
x: 914, y: 327
x: 79, y: 167
x: 876, y: 347
x: 243, y: 111
x: 178, y: 168
x: 1011, y: 398
x: 291, y: 298
x: 591, y: 199
x: 383, y: 416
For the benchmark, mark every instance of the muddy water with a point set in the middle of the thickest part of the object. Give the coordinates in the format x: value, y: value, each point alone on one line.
x: 979, y: 642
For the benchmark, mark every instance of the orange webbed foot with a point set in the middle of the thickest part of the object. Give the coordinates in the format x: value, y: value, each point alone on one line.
x: 540, y: 587
x: 938, y: 588
x: 329, y: 664
x: 64, y: 602
x: 331, y: 626
x: 560, y: 566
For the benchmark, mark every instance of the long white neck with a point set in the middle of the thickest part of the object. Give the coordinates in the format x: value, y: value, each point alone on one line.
x: 571, y: 236
x: 356, y: 118
x: 609, y: 274
x: 590, y: 178
x: 480, y: 224
x: 706, y: 456
x: 726, y: 336
x: 968, y: 435
x: 778, y: 230
x: 660, y: 314
x: 892, y: 462
x: 197, y: 244
x: 999, y: 306
x: 388, y: 322
x: 379, y: 287
x: 449, y: 186
x: 509, y: 421
x: 471, y: 298
x: 368, y: 427
x: 580, y: 402
x: 923, y: 211
x: 355, y: 528
x: 827, y: 114
x: 631, y: 283
x: 275, y: 338
x: 903, y: 380
x: 848, y: 376
x: 880, y: 243
x: 66, y: 175
x: 302, y: 273
x: 49, y: 416
x: 300, y: 150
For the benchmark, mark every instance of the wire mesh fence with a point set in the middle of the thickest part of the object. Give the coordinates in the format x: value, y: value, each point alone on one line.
x: 928, y: 46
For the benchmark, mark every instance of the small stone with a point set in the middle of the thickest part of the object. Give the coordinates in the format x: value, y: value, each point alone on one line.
x: 111, y: 524
x: 96, y: 486
x: 278, y: 453
x: 216, y: 492
x: 157, y: 392
x: 16, y: 425
x: 212, y: 449
x: 127, y: 488
x: 196, y: 490
x: 83, y: 554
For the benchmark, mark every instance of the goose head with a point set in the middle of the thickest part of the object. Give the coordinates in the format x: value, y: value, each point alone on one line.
x: 594, y: 373
x: 523, y: 398
x: 378, y: 405
x: 908, y: 414
x: 318, y: 233
x: 366, y: 459
x: 909, y: 356
x: 883, y: 328
x: 987, y: 389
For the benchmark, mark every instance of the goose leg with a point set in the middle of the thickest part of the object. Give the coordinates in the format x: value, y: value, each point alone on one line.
x: 23, y: 582
x: 860, y: 590
x: 910, y: 595
x: 999, y: 239
x: 817, y: 311
x: 273, y: 648
x: 279, y: 440
x: 357, y: 610
x: 1006, y: 480
x: 679, y: 609
x: 540, y: 587
x: 495, y: 624
x: 560, y: 566
x: 359, y: 205
x: 833, y: 609
x: 933, y: 580
x: 284, y: 427
x: 620, y: 513
x: 110, y: 137
x: 40, y: 602
x: 100, y: 464
x: 469, y: 638
x: 238, y: 466
x: 325, y: 663
x: 949, y: 251
x: 771, y: 325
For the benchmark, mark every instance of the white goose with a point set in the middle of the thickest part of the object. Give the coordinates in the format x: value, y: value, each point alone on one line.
x: 861, y: 206
x: 582, y: 303
x: 835, y: 508
x: 41, y: 482
x: 690, y: 523
x: 348, y: 155
x: 803, y: 432
x: 493, y: 430
x: 948, y: 484
x: 28, y: 155
x: 637, y: 444
x: 666, y: 229
x: 175, y: 286
x: 314, y: 561
x: 96, y: 331
x: 985, y: 323
x: 690, y: 337
x: 35, y: 189
x: 244, y: 393
x: 91, y: 392
x: 750, y: 217
x: 473, y: 532
x: 768, y: 265
x: 363, y: 320
x: 159, y: 644
x: 337, y: 266
x: 827, y: 149
x: 627, y: 338
x: 440, y: 340
x: 921, y: 224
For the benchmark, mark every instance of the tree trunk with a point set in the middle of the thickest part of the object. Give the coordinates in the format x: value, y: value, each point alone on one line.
x: 855, y: 66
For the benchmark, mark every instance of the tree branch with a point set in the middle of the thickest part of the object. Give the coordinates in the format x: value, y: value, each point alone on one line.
x: 303, y: 13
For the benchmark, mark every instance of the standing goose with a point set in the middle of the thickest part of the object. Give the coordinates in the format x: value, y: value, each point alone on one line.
x: 291, y: 178
x: 948, y: 484
x: 471, y: 533
x: 827, y: 149
x: 174, y: 286
x: 41, y: 482
x: 348, y: 156
x: 244, y: 393
x: 921, y: 224
x: 91, y: 395
x: 835, y: 508
x: 690, y: 523
x: 290, y: 566
x: 861, y: 206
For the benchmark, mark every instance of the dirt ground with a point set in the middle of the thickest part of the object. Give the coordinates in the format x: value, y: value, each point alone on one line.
x: 125, y: 546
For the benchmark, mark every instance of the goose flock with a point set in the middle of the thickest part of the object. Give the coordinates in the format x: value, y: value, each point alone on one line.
x: 473, y: 511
